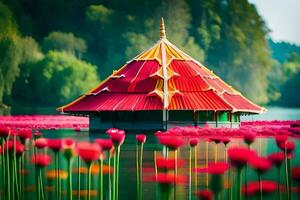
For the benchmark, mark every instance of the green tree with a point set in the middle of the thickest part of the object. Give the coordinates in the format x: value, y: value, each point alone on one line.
x: 56, y: 79
x: 178, y: 21
x: 291, y: 80
x: 10, y: 54
x: 64, y: 42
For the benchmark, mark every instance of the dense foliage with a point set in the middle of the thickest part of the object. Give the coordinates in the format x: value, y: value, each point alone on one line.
x: 228, y: 36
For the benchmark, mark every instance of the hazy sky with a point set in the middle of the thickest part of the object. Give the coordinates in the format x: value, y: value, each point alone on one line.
x: 282, y: 17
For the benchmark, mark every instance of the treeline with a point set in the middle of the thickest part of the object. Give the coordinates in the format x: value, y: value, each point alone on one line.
x: 52, y: 51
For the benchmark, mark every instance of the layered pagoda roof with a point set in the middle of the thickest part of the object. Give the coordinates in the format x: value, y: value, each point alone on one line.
x: 162, y: 78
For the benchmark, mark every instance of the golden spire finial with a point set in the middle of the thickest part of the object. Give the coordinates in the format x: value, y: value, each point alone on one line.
x: 162, y: 29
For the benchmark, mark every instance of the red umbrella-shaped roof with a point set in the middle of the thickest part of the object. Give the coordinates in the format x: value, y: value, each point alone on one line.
x: 162, y: 77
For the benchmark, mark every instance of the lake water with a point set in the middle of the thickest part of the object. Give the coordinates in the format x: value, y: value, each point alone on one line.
x: 275, y: 113
x: 128, y: 172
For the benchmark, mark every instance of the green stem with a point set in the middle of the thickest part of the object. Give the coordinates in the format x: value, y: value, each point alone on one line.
x: 89, y: 180
x: 114, y: 176
x: 58, y: 175
x: 290, y: 178
x: 41, y: 184
x: 196, y: 165
x: 109, y: 176
x: 37, y: 183
x: 101, y: 179
x: 278, y: 182
x: 8, y: 185
x: 78, y: 176
x: 70, y: 190
x: 239, y: 183
x: 286, y: 175
x: 137, y: 172
x: 141, y: 172
x: 176, y: 172
x: 19, y: 160
x: 260, y: 186
x: 16, y: 185
x: 117, y: 179
x: 190, y: 173
x: 4, y: 170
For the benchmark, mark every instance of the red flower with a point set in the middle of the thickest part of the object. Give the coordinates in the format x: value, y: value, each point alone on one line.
x: 216, y: 139
x: 105, y: 144
x: 164, y: 178
x: 276, y: 158
x: 296, y: 174
x: 249, y: 137
x: 40, y: 160
x: 37, y: 134
x: 260, y: 164
x: 40, y: 143
x: 214, y: 168
x: 4, y: 132
x: 88, y: 151
x: 112, y: 130
x: 117, y: 136
x: 280, y: 138
x: 54, y: 144
x: 205, y: 194
x: 239, y: 156
x: 25, y: 133
x: 225, y: 141
x: 194, y: 142
x: 287, y: 146
x: 173, y: 142
x: 141, y: 138
x: 19, y: 149
x: 253, y: 187
x: 68, y: 143
x: 163, y: 163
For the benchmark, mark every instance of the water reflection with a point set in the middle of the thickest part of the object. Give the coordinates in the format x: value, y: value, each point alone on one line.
x: 137, y: 169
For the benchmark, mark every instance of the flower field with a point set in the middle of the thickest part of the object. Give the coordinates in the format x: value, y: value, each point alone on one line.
x: 256, y: 161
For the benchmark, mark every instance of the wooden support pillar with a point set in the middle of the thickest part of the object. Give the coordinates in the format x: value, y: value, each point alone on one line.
x: 165, y: 119
x: 195, y: 118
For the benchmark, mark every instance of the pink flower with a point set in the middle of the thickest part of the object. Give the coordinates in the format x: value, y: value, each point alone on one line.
x: 216, y: 139
x: 253, y: 187
x: 4, y: 132
x: 260, y: 164
x: 287, y: 146
x: 173, y: 142
x: 225, y: 141
x: 105, y: 144
x: 296, y: 174
x: 41, y: 160
x: 141, y: 138
x: 25, y: 133
x: 163, y: 163
x: 205, y: 194
x: 88, y: 151
x: 239, y: 156
x: 112, y: 130
x: 68, y: 143
x: 40, y: 143
x: 194, y: 142
x: 117, y: 136
x: 54, y: 144
x: 276, y: 158
x: 280, y: 138
x: 214, y: 168
x: 249, y: 137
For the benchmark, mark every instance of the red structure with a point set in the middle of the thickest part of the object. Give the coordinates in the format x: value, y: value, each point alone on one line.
x: 160, y: 86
